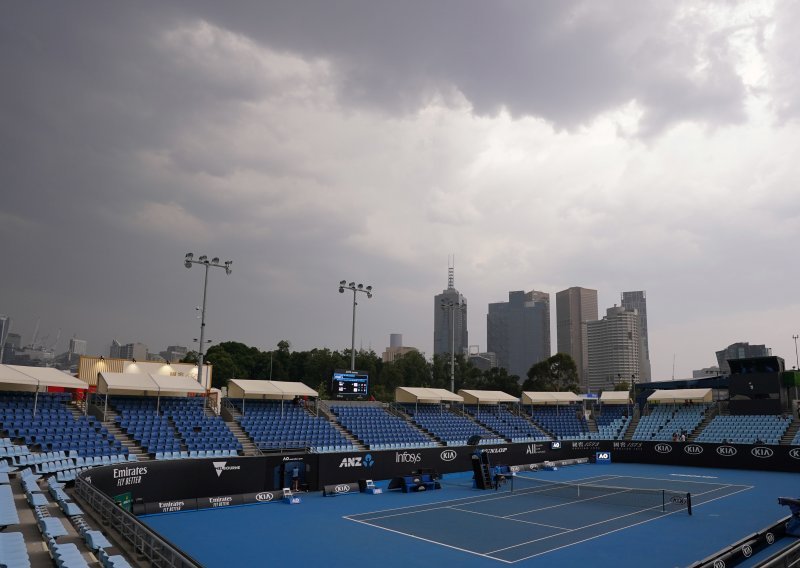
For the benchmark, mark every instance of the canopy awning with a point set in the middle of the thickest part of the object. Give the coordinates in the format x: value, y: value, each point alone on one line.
x: 540, y: 397
x: 38, y: 377
x: 177, y: 384
x: 275, y: 390
x: 681, y: 395
x: 615, y: 397
x: 425, y: 395
x: 486, y: 397
x: 122, y: 382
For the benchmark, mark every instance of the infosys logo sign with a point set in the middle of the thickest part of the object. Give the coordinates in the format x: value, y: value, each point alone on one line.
x: 448, y: 455
x: 663, y: 448
x: 407, y: 457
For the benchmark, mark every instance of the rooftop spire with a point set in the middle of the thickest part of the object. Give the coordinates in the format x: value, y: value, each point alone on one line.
x: 451, y: 267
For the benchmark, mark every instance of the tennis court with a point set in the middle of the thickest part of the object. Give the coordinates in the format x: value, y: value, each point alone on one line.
x: 460, y: 525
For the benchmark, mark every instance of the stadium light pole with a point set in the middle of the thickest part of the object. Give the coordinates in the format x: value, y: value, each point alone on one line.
x: 796, y: 358
x: 203, y: 260
x: 343, y: 285
x: 450, y: 306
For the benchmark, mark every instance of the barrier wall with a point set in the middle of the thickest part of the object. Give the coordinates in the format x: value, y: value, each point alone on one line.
x: 175, y: 485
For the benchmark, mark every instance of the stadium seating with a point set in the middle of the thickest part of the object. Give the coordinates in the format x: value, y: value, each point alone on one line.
x: 53, y: 428
x: 746, y: 429
x: 275, y: 426
x: 378, y: 429
x: 13, y: 552
x: 452, y: 429
x: 565, y: 422
x: 510, y: 426
x: 198, y: 431
x: 667, y: 420
x: 612, y: 422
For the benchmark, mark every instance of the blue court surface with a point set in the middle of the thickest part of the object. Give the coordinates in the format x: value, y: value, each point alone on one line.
x: 533, y: 526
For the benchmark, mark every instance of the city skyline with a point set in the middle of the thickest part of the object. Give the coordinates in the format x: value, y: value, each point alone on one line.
x: 636, y: 146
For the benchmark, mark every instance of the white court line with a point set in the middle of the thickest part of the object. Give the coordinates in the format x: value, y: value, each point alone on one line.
x: 482, y: 555
x: 573, y: 502
x: 425, y: 507
x: 508, y: 519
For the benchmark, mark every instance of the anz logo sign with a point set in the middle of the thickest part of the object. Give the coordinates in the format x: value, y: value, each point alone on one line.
x: 358, y: 461
x: 448, y: 455
x: 693, y: 449
x: 726, y: 451
x: 663, y: 448
x: 762, y: 452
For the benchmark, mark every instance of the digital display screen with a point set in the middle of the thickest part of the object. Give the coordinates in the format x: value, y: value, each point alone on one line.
x: 350, y: 384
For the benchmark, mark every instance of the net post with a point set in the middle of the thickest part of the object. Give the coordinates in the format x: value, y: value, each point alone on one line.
x: 689, y: 502
x: 663, y: 501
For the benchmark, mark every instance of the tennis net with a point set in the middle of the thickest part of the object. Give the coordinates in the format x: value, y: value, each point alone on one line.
x: 658, y: 499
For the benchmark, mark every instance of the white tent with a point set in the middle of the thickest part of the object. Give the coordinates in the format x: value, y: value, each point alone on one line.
x: 268, y: 390
x: 681, y: 395
x: 486, y: 397
x: 425, y: 395
x: 145, y: 383
x: 37, y: 379
x: 615, y: 397
x: 543, y: 397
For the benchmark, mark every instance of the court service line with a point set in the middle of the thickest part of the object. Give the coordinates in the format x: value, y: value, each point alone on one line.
x: 481, y: 554
x: 500, y: 517
x: 574, y: 502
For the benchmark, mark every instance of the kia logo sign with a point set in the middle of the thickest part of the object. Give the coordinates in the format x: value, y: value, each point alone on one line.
x: 448, y: 455
x: 762, y: 452
x: 266, y: 496
x: 663, y: 448
x: 693, y: 449
x: 795, y: 453
x: 726, y: 451
x: 342, y: 489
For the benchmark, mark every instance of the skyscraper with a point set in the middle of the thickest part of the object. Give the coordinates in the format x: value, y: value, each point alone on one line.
x: 741, y: 350
x: 574, y: 307
x: 638, y: 301
x: 518, y: 331
x: 450, y: 320
x: 613, y: 345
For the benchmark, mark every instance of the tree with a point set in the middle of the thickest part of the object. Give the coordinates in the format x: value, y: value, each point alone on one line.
x: 557, y: 373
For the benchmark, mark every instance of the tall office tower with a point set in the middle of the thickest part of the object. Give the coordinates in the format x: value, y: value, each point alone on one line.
x: 174, y: 353
x: 450, y: 320
x: 741, y: 350
x: 574, y: 307
x: 518, y: 331
x: 614, y: 343
x: 77, y: 346
x: 638, y: 301
x: 396, y: 348
x: 114, y: 350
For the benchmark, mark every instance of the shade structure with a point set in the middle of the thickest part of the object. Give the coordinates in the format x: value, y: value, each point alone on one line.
x: 270, y: 390
x: 127, y: 383
x: 425, y: 395
x: 615, y: 397
x: 38, y: 377
x: 486, y: 397
x: 546, y: 397
x: 177, y: 384
x: 681, y: 395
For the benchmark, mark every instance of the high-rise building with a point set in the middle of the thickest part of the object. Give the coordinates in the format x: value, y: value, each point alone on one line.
x: 174, y: 353
x: 450, y: 320
x: 741, y: 350
x: 638, y: 301
x: 77, y: 346
x: 128, y: 351
x: 518, y: 331
x: 613, y: 344
x: 574, y: 307
x: 396, y: 348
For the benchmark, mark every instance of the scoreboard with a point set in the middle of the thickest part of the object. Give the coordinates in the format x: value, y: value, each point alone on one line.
x: 350, y: 384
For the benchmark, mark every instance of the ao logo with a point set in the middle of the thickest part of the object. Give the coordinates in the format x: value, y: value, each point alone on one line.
x: 266, y: 496
x: 663, y: 448
x: 762, y: 452
x: 747, y: 551
x: 603, y: 455
x: 448, y: 455
x: 342, y: 488
x: 795, y: 453
x: 693, y: 449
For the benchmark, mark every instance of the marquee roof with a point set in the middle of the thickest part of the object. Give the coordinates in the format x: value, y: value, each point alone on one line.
x: 615, y: 397
x: 486, y: 397
x: 116, y: 382
x: 38, y: 377
x: 540, y: 397
x: 281, y: 390
x: 681, y: 395
x: 419, y: 394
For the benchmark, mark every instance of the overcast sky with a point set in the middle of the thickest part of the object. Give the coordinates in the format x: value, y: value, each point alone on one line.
x: 625, y: 145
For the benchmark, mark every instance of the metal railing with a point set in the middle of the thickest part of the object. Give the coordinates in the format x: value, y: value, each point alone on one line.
x: 144, y: 541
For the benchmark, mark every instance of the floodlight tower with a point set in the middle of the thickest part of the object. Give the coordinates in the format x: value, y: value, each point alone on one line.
x: 203, y: 260
x: 355, y: 288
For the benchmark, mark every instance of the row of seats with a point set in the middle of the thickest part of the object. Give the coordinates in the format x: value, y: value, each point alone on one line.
x: 378, y: 429
x: 665, y: 421
x: 746, y: 429
x: 512, y: 427
x: 565, y: 422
